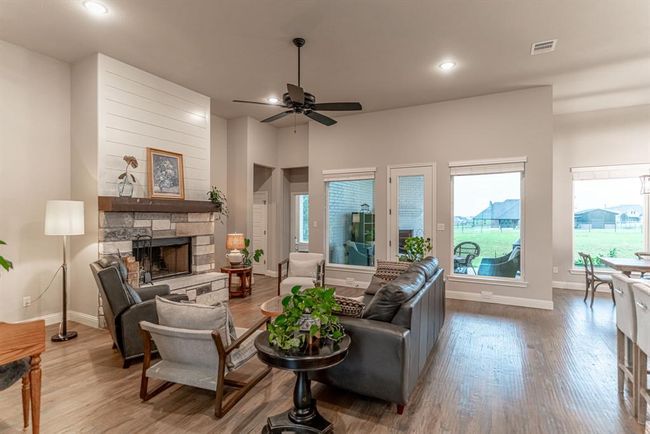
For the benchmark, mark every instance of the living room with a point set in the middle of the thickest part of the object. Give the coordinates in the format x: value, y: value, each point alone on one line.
x: 192, y: 154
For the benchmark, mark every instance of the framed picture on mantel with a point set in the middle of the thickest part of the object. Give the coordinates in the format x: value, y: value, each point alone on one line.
x: 165, y: 179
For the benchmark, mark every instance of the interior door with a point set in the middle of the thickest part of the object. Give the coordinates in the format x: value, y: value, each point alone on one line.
x: 299, y: 222
x: 260, y: 229
x: 411, y: 206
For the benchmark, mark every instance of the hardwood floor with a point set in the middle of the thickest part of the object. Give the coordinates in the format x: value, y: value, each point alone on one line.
x: 496, y: 369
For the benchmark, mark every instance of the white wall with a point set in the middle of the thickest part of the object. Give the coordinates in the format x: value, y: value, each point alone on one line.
x: 510, y: 124
x: 293, y: 146
x: 34, y: 167
x: 219, y: 178
x: 597, y: 138
x: 139, y: 110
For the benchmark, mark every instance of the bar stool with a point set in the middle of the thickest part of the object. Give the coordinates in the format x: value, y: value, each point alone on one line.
x: 626, y: 333
x: 642, y: 302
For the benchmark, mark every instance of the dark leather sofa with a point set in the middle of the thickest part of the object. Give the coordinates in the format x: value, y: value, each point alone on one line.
x: 122, y: 310
x: 391, y: 344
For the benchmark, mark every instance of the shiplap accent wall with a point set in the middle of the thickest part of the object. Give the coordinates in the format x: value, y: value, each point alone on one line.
x: 138, y: 110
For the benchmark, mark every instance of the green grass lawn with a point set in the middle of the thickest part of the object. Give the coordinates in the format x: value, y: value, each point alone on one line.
x: 597, y: 242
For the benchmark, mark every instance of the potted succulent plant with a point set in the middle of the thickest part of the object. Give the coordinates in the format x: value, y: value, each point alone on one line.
x: 126, y: 179
x: 308, y: 319
x: 415, y: 249
x: 4, y: 262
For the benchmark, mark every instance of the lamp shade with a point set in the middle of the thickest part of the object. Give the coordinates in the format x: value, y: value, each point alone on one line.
x: 235, y: 242
x: 64, y: 217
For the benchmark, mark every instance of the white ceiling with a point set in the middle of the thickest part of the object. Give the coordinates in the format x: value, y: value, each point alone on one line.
x: 383, y: 53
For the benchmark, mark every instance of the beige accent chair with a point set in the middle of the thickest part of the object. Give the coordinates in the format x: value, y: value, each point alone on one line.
x: 642, y: 303
x: 301, y: 269
x: 627, y: 362
x: 199, y: 347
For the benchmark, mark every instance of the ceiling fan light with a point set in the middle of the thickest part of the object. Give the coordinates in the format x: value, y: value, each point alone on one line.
x: 273, y: 100
x: 95, y: 8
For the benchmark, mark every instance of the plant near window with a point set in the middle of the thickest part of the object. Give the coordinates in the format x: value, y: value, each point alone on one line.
x: 218, y: 198
x: 415, y: 249
x: 125, y: 186
x: 4, y: 262
x: 313, y: 307
x: 248, y: 258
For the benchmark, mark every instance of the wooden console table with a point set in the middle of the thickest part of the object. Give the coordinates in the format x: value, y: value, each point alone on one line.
x: 245, y: 275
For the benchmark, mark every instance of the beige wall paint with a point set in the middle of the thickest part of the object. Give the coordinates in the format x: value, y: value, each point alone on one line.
x: 34, y: 167
x: 84, y: 180
x: 219, y: 178
x: 501, y: 125
x: 293, y: 146
x: 597, y: 138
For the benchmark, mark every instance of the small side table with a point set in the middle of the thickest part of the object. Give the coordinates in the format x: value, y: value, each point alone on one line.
x: 303, y: 417
x: 245, y: 278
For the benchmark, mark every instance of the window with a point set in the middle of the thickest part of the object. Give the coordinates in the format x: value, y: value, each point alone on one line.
x: 303, y: 218
x: 609, y: 213
x: 350, y: 217
x: 487, y: 219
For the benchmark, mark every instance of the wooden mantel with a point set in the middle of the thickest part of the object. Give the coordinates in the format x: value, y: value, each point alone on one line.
x: 141, y: 204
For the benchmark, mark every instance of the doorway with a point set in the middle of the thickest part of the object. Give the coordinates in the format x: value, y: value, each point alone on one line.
x: 411, y: 205
x: 260, y: 229
x: 300, y: 222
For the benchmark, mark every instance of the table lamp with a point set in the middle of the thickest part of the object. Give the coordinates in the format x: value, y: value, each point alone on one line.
x: 234, y: 243
x: 64, y: 218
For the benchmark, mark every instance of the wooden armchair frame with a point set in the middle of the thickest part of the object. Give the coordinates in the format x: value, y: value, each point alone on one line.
x: 18, y: 341
x: 223, y: 403
x: 283, y: 272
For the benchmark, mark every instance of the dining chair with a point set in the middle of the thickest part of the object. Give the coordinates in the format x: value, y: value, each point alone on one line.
x: 627, y: 363
x: 642, y: 301
x: 643, y: 256
x: 593, y: 280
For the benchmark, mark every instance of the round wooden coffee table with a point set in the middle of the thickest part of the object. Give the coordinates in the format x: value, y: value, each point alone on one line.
x: 303, y: 417
x: 273, y: 306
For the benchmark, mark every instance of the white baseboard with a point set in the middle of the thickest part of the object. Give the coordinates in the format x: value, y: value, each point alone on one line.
x: 271, y: 273
x: 55, y: 318
x: 501, y: 299
x: 346, y: 283
x: 578, y: 286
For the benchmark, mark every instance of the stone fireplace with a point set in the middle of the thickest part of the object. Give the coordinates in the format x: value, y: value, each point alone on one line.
x: 163, y: 257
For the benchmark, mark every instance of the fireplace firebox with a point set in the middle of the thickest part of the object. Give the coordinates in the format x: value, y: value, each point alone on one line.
x: 163, y: 257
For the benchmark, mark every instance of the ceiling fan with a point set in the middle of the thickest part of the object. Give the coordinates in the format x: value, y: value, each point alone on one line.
x: 299, y: 101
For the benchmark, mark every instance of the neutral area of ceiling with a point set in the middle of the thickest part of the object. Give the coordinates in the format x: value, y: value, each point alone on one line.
x: 383, y: 53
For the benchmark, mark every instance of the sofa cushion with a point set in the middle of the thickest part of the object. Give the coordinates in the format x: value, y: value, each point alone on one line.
x: 390, y: 297
x: 418, y: 267
x: 376, y: 283
x: 430, y: 266
x: 196, y: 317
x: 304, y: 268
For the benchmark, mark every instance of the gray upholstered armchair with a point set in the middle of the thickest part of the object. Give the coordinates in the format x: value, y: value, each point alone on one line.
x: 125, y: 307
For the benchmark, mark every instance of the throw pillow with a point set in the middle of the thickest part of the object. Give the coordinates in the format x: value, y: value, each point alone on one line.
x: 389, y: 270
x: 308, y: 268
x: 194, y: 317
x: 350, y: 306
x: 387, y: 301
x: 133, y: 294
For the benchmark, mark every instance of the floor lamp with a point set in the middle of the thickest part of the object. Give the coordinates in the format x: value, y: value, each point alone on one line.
x: 64, y: 218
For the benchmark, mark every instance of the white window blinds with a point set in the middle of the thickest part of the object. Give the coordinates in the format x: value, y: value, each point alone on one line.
x: 484, y: 167
x: 349, y: 174
x: 610, y: 172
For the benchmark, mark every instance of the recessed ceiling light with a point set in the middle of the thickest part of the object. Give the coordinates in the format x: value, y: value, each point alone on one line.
x: 95, y: 8
x: 273, y: 100
x: 447, y: 66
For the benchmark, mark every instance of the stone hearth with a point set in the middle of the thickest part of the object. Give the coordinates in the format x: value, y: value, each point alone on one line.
x: 117, y: 230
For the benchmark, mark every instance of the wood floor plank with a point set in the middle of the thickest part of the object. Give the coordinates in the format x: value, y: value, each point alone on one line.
x: 496, y: 369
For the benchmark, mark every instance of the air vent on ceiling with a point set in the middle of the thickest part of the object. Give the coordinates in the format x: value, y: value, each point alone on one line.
x: 543, y: 47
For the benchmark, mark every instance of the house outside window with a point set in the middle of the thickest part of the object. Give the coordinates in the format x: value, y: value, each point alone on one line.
x: 488, y: 220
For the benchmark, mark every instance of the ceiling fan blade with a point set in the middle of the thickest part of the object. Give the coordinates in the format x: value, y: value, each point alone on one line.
x: 255, y: 102
x: 338, y: 106
x: 320, y: 118
x: 296, y: 93
x: 276, y: 117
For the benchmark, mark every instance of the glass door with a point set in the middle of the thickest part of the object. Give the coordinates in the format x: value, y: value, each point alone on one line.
x: 300, y: 222
x: 411, y: 206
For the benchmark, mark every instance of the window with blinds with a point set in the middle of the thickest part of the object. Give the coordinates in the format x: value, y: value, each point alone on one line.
x: 488, y: 218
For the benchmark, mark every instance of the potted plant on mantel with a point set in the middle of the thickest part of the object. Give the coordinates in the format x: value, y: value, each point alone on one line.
x: 307, y: 320
x: 218, y: 198
x: 4, y: 262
